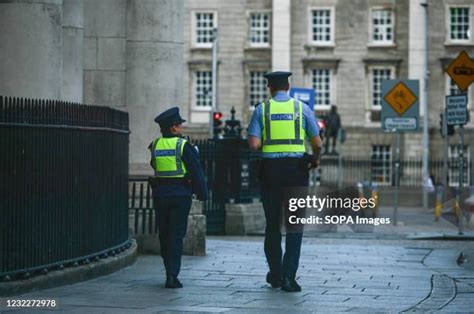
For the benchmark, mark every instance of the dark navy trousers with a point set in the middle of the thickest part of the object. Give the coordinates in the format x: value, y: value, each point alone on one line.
x: 278, y: 176
x: 172, y: 215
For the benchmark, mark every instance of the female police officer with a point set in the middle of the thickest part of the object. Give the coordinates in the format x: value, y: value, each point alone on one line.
x: 178, y: 174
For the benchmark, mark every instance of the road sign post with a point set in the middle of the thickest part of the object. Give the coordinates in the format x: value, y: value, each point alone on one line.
x: 461, y: 181
x: 215, y: 42
x: 397, y: 179
x: 456, y: 114
x: 400, y: 113
x: 461, y: 70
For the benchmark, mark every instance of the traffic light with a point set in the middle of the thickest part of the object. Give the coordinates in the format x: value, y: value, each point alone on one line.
x: 449, y: 128
x: 216, y: 117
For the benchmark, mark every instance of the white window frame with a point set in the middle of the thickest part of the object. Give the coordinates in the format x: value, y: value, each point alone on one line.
x: 386, y: 165
x: 330, y: 43
x: 194, y: 105
x: 453, y: 165
x: 371, y: 69
x: 249, y: 20
x: 332, y: 86
x: 383, y: 43
x: 194, y: 42
x: 448, y: 40
x: 251, y: 105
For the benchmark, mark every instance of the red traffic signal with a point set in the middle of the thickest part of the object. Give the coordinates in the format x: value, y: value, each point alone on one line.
x: 321, y: 125
x: 217, y: 115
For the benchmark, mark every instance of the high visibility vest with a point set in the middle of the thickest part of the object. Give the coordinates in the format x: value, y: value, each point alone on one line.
x: 167, y: 155
x: 283, y: 127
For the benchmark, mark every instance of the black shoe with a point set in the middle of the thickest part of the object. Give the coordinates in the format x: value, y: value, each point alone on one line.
x: 173, y: 282
x: 290, y: 285
x: 275, y: 281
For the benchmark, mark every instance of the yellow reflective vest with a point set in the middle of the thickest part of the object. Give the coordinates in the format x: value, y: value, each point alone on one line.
x: 167, y: 153
x: 283, y: 127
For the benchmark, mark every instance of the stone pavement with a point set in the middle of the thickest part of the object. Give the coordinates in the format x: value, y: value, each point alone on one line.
x: 412, y: 221
x: 336, y: 275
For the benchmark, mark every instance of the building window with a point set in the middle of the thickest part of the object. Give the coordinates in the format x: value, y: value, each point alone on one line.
x: 322, y: 26
x: 322, y: 85
x: 459, y: 22
x: 205, y: 22
x: 381, y: 164
x: 203, y: 89
x: 378, y: 74
x: 259, y: 29
x: 382, y: 26
x: 258, y: 88
x: 453, y: 165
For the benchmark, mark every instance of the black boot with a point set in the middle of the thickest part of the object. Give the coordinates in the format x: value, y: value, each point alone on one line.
x: 290, y: 285
x: 274, y: 281
x: 173, y: 282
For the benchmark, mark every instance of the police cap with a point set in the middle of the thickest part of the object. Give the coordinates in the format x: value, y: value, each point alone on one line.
x: 277, y: 78
x: 169, y: 117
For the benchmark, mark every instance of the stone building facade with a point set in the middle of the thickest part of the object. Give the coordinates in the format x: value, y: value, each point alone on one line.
x: 342, y: 49
x: 120, y: 53
x: 144, y: 56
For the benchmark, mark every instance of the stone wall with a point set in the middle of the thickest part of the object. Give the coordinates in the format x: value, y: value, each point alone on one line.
x: 194, y: 241
x: 30, y: 48
x: 104, y: 52
x: 235, y: 57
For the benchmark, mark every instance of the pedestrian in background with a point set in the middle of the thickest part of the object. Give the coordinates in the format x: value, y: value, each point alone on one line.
x: 278, y: 127
x: 178, y: 174
x: 333, y: 127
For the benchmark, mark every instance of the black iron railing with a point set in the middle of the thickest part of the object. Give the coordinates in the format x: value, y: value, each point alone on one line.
x: 141, y: 206
x: 63, y: 184
x: 348, y: 170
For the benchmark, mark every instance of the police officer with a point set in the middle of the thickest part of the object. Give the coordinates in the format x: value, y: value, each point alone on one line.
x: 278, y: 128
x: 178, y: 174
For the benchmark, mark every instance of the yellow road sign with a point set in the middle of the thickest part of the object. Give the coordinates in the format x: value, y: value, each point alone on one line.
x: 461, y: 70
x: 400, y: 98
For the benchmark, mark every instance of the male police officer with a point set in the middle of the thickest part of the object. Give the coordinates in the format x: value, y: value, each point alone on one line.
x: 278, y: 128
x: 178, y: 174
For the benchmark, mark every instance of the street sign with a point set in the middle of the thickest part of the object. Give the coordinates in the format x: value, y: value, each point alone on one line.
x: 400, y: 105
x: 461, y: 70
x: 456, y: 110
x: 401, y: 124
x: 305, y: 95
x: 400, y: 98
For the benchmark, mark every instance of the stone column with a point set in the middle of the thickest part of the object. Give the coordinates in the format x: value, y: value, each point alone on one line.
x: 72, y: 47
x: 154, y: 55
x: 30, y: 48
x: 281, y: 39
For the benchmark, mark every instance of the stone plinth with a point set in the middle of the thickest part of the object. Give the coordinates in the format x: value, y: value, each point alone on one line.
x: 242, y: 219
x: 194, y: 241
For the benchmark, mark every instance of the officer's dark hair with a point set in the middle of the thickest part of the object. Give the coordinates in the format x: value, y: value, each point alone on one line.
x: 166, y: 131
x: 279, y: 85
